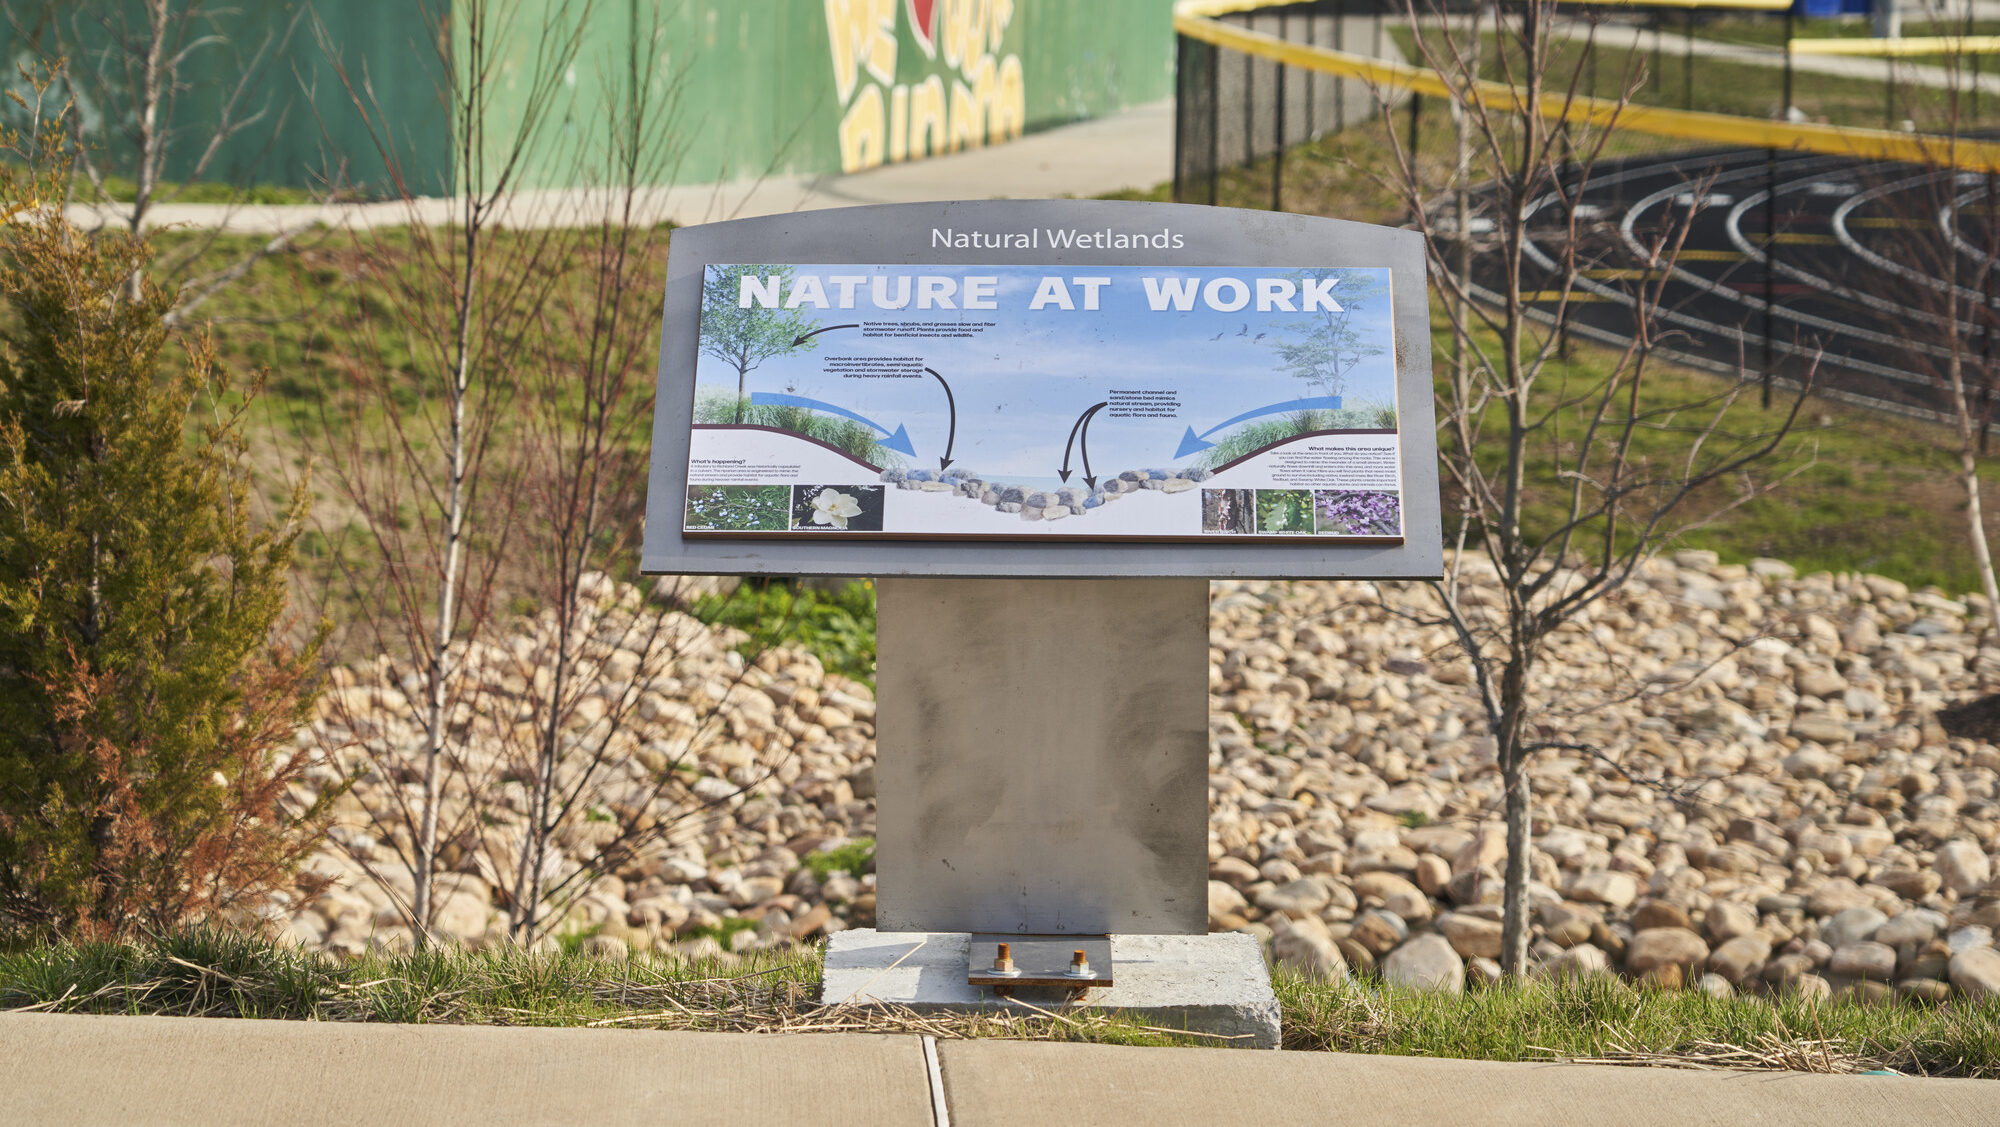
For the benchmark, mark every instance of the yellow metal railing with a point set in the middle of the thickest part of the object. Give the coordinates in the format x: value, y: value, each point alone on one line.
x: 1897, y: 48
x: 1197, y: 20
x: 1213, y: 8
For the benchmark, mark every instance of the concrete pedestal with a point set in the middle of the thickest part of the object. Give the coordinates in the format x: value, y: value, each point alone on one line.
x: 1214, y: 984
x: 1042, y: 755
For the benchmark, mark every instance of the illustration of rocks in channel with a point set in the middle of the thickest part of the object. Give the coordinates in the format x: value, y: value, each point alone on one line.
x: 1043, y: 504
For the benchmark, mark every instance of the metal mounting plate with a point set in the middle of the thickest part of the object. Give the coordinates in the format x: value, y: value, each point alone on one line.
x: 1042, y: 960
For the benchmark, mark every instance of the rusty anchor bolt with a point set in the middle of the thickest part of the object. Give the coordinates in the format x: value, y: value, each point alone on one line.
x: 1003, y: 962
x: 1079, y: 964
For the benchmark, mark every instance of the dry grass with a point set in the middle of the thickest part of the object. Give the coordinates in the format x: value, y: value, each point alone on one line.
x: 213, y: 973
x: 1609, y: 1021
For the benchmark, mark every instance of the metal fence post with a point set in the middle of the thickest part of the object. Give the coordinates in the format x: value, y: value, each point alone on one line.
x: 1278, y: 125
x: 1340, y: 44
x: 1591, y: 14
x: 1659, y: 38
x: 1987, y: 316
x: 1770, y: 272
x: 1889, y: 97
x: 1416, y: 115
x: 1312, y: 89
x: 1214, y: 120
x: 1181, y: 114
x: 1787, y: 110
x: 1687, y: 65
x: 1249, y: 102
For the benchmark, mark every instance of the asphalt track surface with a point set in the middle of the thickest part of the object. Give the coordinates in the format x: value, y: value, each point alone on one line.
x: 1858, y: 273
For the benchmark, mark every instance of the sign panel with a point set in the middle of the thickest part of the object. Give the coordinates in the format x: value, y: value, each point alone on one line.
x: 1009, y: 402
x: 1066, y: 388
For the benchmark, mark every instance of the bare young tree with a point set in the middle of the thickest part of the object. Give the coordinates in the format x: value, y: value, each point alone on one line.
x: 484, y: 442
x: 1567, y: 477
x: 129, y: 67
x: 587, y: 399
x: 413, y: 422
x: 1942, y: 277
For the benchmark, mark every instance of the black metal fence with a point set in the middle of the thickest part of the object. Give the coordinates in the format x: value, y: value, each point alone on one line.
x: 1792, y: 261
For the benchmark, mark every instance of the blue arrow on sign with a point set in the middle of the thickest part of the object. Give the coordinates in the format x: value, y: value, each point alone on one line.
x: 1191, y: 442
x: 898, y: 441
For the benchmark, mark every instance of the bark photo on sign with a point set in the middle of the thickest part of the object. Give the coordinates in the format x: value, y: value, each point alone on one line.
x: 1229, y: 510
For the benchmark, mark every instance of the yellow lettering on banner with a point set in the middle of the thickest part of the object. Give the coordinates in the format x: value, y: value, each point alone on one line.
x: 861, y: 132
x: 899, y: 124
x: 1010, y: 107
x: 861, y: 33
x: 887, y: 121
x: 968, y: 119
x: 1003, y: 14
x: 881, y: 57
x: 927, y: 120
x: 986, y: 94
x: 951, y: 34
x: 969, y: 26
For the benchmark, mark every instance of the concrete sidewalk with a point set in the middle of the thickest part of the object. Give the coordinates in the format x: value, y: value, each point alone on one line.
x: 1132, y: 149
x: 73, y: 1069
x: 1001, y: 1082
x: 64, y: 1069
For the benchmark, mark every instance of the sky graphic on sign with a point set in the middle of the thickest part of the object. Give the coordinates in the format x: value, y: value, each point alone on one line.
x: 1019, y: 378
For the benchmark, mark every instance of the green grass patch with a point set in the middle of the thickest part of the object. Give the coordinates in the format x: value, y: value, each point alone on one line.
x: 214, y: 973
x: 722, y: 932
x: 217, y: 973
x: 838, y: 627
x: 854, y: 857
x: 1863, y: 491
x: 124, y: 189
x: 1611, y: 1019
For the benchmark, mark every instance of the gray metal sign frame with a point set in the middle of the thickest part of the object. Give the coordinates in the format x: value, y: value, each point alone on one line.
x: 902, y: 234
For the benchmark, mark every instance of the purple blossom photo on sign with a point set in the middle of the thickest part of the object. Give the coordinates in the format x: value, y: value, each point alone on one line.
x: 1358, y: 512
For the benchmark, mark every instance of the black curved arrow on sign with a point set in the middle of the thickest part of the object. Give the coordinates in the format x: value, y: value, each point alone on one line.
x: 951, y: 435
x: 1081, y: 426
x: 804, y: 337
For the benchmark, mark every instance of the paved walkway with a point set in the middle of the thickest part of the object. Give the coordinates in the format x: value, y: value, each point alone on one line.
x: 1132, y: 149
x: 143, y: 1070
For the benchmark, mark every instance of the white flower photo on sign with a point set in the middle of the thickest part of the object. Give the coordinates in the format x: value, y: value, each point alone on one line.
x: 832, y: 507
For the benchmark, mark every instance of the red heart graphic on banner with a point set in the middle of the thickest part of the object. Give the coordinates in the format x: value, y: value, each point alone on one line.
x: 923, y: 25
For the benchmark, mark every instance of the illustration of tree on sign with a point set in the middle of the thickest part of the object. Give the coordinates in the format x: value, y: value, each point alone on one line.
x: 746, y: 337
x: 1329, y: 344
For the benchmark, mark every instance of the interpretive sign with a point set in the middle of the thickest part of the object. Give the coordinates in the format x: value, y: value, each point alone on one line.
x: 1057, y: 387
x: 812, y: 377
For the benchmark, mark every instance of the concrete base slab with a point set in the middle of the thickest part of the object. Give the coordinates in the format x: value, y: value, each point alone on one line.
x: 1215, y: 984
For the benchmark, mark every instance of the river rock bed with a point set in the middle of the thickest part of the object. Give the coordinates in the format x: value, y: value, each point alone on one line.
x: 1766, y: 801
x: 1043, y: 504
